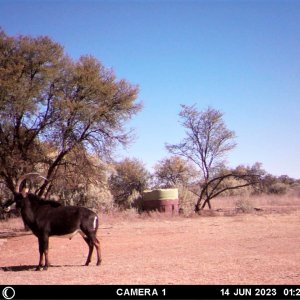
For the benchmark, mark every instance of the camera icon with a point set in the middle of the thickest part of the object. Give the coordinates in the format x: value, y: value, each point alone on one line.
x: 8, y: 293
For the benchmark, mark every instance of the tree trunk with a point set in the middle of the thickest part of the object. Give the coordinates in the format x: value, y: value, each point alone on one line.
x: 207, y: 201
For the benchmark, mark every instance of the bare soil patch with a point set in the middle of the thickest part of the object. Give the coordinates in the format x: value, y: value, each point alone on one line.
x: 239, y: 249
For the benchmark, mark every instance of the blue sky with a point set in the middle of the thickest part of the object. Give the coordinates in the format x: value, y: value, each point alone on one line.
x: 240, y: 57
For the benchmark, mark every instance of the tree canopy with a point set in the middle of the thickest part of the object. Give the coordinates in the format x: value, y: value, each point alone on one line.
x: 206, y: 144
x: 128, y: 181
x: 173, y: 172
x: 207, y: 139
x: 52, y: 105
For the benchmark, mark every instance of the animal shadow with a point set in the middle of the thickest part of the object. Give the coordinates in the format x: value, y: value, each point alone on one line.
x: 18, y: 268
x: 31, y: 268
x: 15, y: 233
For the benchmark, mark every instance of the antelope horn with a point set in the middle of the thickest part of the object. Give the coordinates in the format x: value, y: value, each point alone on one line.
x: 23, y: 177
x: 7, y: 203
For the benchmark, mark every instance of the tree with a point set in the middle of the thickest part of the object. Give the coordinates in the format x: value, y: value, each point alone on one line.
x: 82, y: 181
x: 206, y: 144
x: 174, y: 172
x: 51, y: 106
x: 128, y: 181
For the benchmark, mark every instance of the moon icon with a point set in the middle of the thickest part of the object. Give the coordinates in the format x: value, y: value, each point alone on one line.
x: 8, y: 293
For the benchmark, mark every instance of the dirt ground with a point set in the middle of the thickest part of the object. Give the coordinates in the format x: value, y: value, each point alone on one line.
x: 241, y: 249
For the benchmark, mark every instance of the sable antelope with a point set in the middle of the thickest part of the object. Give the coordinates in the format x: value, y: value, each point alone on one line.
x: 50, y: 218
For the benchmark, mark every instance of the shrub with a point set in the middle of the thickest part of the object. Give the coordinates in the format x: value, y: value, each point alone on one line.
x: 244, y: 205
x: 187, y: 201
x: 278, y: 188
x: 128, y: 182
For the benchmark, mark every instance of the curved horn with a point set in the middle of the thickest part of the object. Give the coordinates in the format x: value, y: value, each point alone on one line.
x: 23, y: 177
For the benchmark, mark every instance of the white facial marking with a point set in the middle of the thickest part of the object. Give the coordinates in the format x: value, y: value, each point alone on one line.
x: 7, y: 209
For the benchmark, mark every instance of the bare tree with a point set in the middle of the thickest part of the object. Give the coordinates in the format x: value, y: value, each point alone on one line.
x: 206, y: 144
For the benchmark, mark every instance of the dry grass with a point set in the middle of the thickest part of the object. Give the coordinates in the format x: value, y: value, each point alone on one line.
x: 13, y: 224
x: 264, y: 202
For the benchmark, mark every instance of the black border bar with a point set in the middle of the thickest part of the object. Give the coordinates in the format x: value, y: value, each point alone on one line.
x: 9, y: 292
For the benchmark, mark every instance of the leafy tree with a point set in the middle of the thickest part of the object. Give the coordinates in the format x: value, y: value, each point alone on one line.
x: 83, y: 180
x: 128, y: 181
x: 206, y: 144
x: 51, y: 106
x: 174, y: 172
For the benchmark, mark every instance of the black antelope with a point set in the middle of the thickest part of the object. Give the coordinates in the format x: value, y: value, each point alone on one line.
x: 50, y: 218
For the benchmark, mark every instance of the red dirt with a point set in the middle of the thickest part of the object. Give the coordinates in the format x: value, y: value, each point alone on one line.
x: 241, y: 249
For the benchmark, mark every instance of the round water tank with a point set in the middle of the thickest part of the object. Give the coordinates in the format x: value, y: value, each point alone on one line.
x: 162, y: 200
